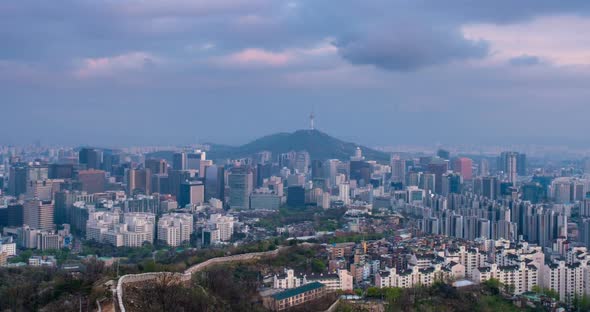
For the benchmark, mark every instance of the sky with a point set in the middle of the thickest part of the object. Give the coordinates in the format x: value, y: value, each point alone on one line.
x: 382, y: 72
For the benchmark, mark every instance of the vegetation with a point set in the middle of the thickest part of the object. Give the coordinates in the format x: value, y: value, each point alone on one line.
x: 440, y: 297
x: 33, y: 289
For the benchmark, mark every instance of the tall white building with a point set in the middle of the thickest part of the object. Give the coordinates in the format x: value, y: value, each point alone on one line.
x: 175, y: 228
x: 344, y: 193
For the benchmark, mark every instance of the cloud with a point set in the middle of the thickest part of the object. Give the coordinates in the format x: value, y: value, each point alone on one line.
x: 409, y: 47
x: 256, y: 57
x: 108, y: 66
x: 525, y: 60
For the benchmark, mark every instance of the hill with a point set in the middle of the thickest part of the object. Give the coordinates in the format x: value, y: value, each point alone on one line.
x: 318, y: 144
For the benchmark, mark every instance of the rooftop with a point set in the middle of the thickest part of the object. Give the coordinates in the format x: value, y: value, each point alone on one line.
x: 296, y: 291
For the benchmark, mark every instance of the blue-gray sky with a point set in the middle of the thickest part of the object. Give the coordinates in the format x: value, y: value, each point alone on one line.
x: 379, y: 72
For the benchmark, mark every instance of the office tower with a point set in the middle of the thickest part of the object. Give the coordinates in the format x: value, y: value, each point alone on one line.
x: 139, y: 181
x: 302, y: 162
x: 90, y: 158
x: 489, y: 187
x: 398, y: 169
x: 263, y: 157
x: 428, y: 182
x: 38, y: 214
x: 331, y: 170
x: 191, y: 193
x: 110, y: 161
x: 438, y: 167
x: 521, y: 164
x: 295, y: 196
x: 511, y: 165
x: 17, y: 179
x: 63, y: 202
x: 175, y: 178
x: 215, y: 183
x: 179, y: 161
x: 160, y: 184
x: 360, y: 171
x: 193, y: 160
x: 444, y: 154
x: 61, y: 171
x: 532, y: 192
x: 413, y: 178
x: 157, y: 166
x: 11, y: 215
x: 240, y: 181
x: 464, y: 167
x: 451, y: 183
x: 263, y: 171
x: 297, y: 179
x: 561, y: 190
x: 484, y: 168
x: 92, y: 180
x: 344, y: 193
x: 317, y: 169
x: 40, y: 189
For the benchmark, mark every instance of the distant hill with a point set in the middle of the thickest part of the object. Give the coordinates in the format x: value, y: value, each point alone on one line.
x: 318, y: 144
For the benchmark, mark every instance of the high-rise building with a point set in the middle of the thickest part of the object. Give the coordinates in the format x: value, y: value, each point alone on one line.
x: 191, y: 193
x: 193, y: 160
x: 11, y: 215
x: 17, y: 179
x: 317, y: 169
x: 511, y: 166
x: 215, y: 182
x: 90, y: 158
x: 444, y: 154
x: 92, y: 180
x: 489, y: 187
x: 175, y: 228
x: 240, y: 182
x: 41, y: 189
x: 464, y: 167
x: 438, y: 167
x: 61, y: 171
x: 344, y: 193
x: 175, y: 178
x: 521, y: 164
x: 179, y: 161
x: 139, y: 180
x: 484, y: 168
x: 398, y: 169
x: 157, y: 166
x: 302, y: 162
x: 360, y: 171
x: 38, y: 214
x: 295, y: 196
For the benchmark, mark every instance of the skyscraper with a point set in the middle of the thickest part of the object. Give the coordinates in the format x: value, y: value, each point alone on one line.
x: 179, y: 161
x: 90, y: 158
x: 464, y: 167
x: 157, y: 166
x: 93, y: 181
x: 240, y: 182
x: 398, y: 169
x: 139, y: 180
x: 511, y: 166
x: 438, y: 167
x: 191, y: 193
x: 215, y: 182
x: 17, y: 179
x: 38, y: 214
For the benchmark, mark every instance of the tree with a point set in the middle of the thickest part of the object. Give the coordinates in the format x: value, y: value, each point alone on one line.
x: 318, y: 266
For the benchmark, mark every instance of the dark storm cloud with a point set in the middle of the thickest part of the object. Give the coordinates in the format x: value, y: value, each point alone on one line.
x: 406, y: 47
x: 525, y: 60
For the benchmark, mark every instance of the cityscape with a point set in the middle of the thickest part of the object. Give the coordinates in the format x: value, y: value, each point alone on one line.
x: 270, y: 155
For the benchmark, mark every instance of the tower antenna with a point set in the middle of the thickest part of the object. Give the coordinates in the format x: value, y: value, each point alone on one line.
x: 311, y: 117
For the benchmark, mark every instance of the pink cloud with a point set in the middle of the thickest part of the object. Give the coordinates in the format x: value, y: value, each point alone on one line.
x: 258, y: 57
x: 107, y: 66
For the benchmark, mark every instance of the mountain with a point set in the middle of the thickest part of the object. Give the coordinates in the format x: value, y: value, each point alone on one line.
x: 318, y: 144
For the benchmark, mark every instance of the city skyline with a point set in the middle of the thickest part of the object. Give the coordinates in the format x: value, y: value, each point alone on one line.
x: 384, y: 73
